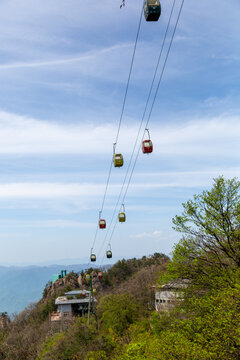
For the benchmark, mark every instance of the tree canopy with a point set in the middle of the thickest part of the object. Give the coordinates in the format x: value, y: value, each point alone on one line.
x: 210, y: 223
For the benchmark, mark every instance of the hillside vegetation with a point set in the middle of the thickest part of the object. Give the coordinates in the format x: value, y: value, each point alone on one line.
x: 205, y: 325
x: 125, y: 294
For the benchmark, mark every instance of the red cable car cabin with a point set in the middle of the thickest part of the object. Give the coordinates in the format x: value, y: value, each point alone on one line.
x: 102, y: 224
x: 147, y: 146
x: 100, y: 275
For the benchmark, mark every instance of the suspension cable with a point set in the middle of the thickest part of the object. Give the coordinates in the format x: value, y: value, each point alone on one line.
x: 121, y: 116
x: 140, y: 126
x: 151, y: 109
x: 129, y: 75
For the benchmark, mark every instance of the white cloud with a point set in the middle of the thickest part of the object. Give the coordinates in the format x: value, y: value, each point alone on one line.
x: 217, y: 136
x: 48, y: 190
x: 85, y: 57
x: 146, y: 235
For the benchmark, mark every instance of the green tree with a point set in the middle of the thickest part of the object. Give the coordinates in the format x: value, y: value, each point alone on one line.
x: 211, y: 243
x: 117, y: 312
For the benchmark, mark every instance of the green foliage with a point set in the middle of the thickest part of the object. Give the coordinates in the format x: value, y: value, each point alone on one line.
x: 96, y: 355
x: 70, y: 344
x: 205, y: 326
x: 67, y: 288
x: 211, y: 243
x: 49, y: 344
x: 124, y: 269
x: 117, y: 312
x: 214, y: 323
x: 161, y: 323
x: 46, y: 308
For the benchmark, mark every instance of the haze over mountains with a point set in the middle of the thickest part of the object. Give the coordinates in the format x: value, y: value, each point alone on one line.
x: 22, y: 285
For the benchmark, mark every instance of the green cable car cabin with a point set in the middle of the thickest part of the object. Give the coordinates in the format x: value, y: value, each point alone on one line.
x: 118, y: 160
x: 121, y: 217
x: 152, y: 10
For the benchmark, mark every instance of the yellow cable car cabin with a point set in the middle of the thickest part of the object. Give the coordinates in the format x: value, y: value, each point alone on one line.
x: 87, y: 277
x: 152, y: 10
x: 93, y: 257
x: 121, y: 217
x: 118, y: 160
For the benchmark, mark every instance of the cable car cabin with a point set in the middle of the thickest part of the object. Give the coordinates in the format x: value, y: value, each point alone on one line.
x: 109, y: 254
x: 102, y: 224
x: 87, y: 277
x: 147, y: 146
x: 93, y: 257
x: 118, y: 160
x: 122, y: 217
x: 100, y: 275
x: 152, y: 10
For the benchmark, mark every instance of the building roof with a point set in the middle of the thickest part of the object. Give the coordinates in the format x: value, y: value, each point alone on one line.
x: 61, y: 301
x: 174, y: 285
x: 76, y: 292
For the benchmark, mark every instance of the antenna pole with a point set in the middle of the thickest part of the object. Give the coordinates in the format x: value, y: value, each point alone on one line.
x: 89, y: 302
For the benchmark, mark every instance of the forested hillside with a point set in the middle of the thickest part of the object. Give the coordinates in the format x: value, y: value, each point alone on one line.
x: 204, y: 325
x: 124, y: 295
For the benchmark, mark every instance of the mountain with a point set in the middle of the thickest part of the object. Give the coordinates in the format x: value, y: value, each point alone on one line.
x: 21, y: 286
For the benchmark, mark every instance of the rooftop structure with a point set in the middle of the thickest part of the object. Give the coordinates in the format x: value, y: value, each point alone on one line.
x: 73, y: 303
x: 59, y: 276
x: 168, y: 295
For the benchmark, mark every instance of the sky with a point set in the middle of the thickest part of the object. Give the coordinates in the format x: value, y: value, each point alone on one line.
x: 64, y: 66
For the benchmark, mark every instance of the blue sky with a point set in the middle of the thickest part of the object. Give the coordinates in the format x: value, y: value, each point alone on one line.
x: 63, y: 71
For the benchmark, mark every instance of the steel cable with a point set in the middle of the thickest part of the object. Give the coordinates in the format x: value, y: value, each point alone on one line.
x: 140, y: 126
x: 120, y: 120
x: 151, y: 109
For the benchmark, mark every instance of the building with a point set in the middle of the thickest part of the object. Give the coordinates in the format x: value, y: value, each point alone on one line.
x: 168, y: 295
x: 73, y: 303
x: 59, y: 276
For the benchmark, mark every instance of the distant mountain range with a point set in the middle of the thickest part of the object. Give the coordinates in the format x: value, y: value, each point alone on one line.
x: 20, y: 286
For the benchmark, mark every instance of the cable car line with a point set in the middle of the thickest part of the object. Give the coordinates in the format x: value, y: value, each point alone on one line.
x: 155, y: 96
x: 129, y: 76
x: 153, y: 102
x: 139, y: 130
x: 144, y: 113
x: 120, y: 120
x: 140, y: 127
